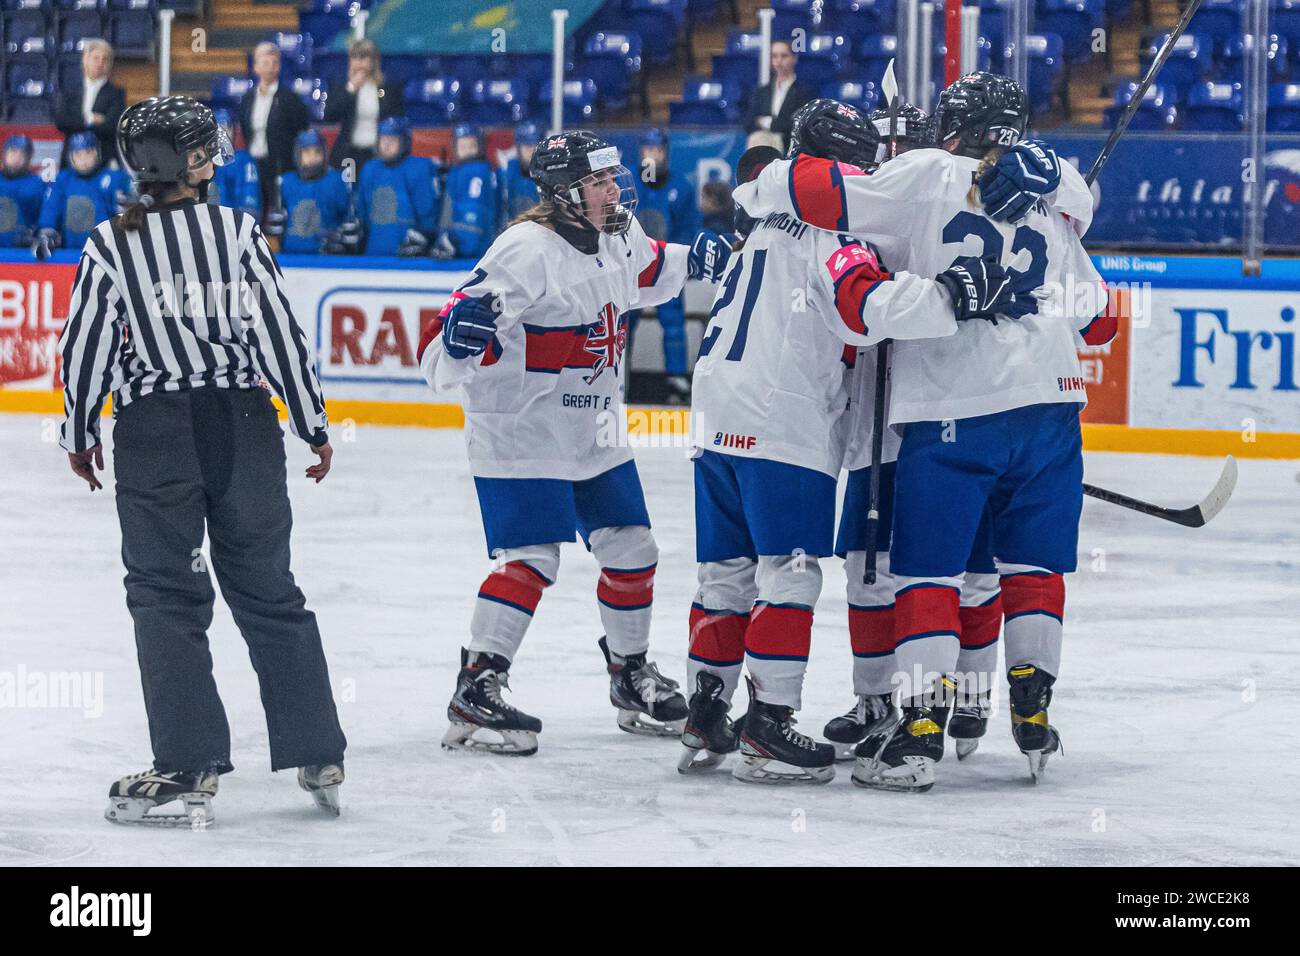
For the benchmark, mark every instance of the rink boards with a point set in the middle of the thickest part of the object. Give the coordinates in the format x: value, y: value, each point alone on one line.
x: 1205, y: 362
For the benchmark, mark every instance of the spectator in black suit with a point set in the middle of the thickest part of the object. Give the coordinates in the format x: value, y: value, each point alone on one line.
x: 271, y: 116
x: 94, y: 104
x: 359, y: 105
x: 773, y: 106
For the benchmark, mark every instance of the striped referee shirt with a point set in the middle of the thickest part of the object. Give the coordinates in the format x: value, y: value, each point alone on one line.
x: 192, y: 299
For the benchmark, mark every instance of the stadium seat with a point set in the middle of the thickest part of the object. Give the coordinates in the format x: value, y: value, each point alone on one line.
x: 323, y: 20
x: 1284, y: 18
x: 1157, y: 111
x: 496, y: 102
x: 67, y: 70
x: 613, y: 61
x: 183, y: 8
x: 311, y: 91
x: 791, y: 15
x: 1073, y: 21
x: 76, y: 26
x: 825, y: 56
x: 1284, y: 108
x: 331, y: 66
x: 21, y: 27
x: 132, y: 33
x: 1214, y: 108
x: 579, y: 94
x: 1118, y: 9
x: 30, y: 73
x: 295, y: 54
x: 1216, y: 21
x: 863, y: 95
x: 1233, y: 58
x: 705, y: 102
x: 71, y: 6
x: 657, y: 21
x: 1045, y: 64
x: 1190, y: 62
x: 434, y: 101
x: 402, y: 68
x: 229, y: 91
x: 875, y: 53
x: 738, y: 63
x: 994, y: 16
x: 858, y: 19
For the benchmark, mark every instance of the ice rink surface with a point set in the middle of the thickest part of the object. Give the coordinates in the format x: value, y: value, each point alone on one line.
x: 1179, y: 701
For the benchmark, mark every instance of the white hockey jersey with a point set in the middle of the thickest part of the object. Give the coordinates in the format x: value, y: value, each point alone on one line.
x: 793, y: 307
x: 916, y: 211
x: 544, y: 400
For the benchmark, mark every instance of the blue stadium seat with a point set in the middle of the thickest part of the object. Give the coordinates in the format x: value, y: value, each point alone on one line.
x: 579, y: 94
x: 1214, y: 108
x: 331, y: 66
x: 27, y: 73
x: 791, y: 15
x: 21, y: 27
x: 30, y: 103
x: 497, y: 102
x: 994, y: 16
x: 1233, y: 58
x: 67, y: 70
x: 312, y: 92
x: 612, y: 60
x: 738, y: 63
x: 863, y: 95
x: 228, y: 91
x: 875, y: 53
x: 295, y: 54
x: 1157, y: 111
x: 1217, y: 20
x: 1284, y: 108
x: 858, y: 19
x: 1045, y: 63
x: 323, y: 20
x: 1189, y: 63
x: 824, y: 58
x: 434, y: 101
x: 1118, y: 9
x: 70, y: 6
x: 76, y: 26
x: 658, y: 22
x: 1073, y: 21
x: 1284, y: 18
x: 132, y: 32
x: 402, y: 68
x: 705, y: 102
x: 533, y: 68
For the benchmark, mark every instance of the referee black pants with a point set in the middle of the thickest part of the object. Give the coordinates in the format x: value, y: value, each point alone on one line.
x: 215, y: 457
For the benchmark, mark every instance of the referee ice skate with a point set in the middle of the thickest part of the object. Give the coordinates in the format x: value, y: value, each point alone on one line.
x: 178, y: 310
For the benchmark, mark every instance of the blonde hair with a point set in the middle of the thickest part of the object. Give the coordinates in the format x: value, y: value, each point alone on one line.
x: 366, y: 50
x: 91, y: 45
x: 542, y: 213
x: 988, y: 162
x: 266, y: 46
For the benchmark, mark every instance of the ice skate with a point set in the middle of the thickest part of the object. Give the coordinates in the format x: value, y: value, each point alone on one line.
x: 902, y: 759
x: 970, y: 719
x: 872, y: 714
x: 648, y: 703
x: 772, y: 751
x: 138, y: 799
x: 709, y: 734
x: 481, y: 720
x: 1031, y: 693
x: 322, y: 782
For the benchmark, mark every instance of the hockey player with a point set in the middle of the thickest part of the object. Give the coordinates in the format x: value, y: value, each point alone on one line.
x: 397, y: 196
x: 82, y: 196
x: 535, y: 340
x: 518, y: 191
x: 666, y: 208
x: 991, y: 413
x: 236, y: 184
x: 314, y: 197
x: 21, y: 193
x: 470, y: 218
x: 769, y: 393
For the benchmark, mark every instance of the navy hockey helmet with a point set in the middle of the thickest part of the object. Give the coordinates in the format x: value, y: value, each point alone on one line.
x: 400, y: 127
x: 309, y: 139
x: 157, y: 136
x: 913, y: 127
x: 981, y: 111
x: 829, y: 129
x: 568, y: 162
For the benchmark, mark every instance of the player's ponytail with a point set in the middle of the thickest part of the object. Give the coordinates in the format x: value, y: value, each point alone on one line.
x: 151, y: 194
x: 543, y: 212
x: 988, y: 162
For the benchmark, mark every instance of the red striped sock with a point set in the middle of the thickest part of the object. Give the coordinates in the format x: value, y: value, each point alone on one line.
x: 717, y: 637
x: 626, y: 590
x: 516, y: 585
x: 779, y: 631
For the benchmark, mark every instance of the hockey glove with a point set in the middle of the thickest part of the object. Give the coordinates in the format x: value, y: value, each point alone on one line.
x: 276, y: 220
x: 352, y: 236
x: 415, y: 245
x: 444, y: 248
x: 471, y: 325
x: 708, y: 257
x: 980, y: 288
x: 47, y: 240
x: 1025, y: 173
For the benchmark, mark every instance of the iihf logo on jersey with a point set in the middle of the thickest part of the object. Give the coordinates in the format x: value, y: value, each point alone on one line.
x: 606, y: 340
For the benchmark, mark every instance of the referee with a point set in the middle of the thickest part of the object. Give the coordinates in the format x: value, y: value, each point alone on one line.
x: 179, y: 310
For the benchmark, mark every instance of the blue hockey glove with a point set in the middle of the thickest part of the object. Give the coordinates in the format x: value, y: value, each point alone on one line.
x: 708, y: 257
x: 1025, y: 173
x: 471, y: 325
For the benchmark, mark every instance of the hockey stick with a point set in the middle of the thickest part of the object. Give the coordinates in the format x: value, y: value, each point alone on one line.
x: 1126, y: 117
x: 1194, y: 517
x: 889, y: 86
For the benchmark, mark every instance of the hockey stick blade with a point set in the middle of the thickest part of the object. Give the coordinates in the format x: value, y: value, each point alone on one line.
x: 1194, y: 517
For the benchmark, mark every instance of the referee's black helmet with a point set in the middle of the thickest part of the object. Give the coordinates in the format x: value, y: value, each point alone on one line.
x: 157, y: 136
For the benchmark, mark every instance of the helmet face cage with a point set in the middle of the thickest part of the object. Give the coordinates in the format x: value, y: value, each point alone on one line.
x: 615, y: 215
x: 217, y: 148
